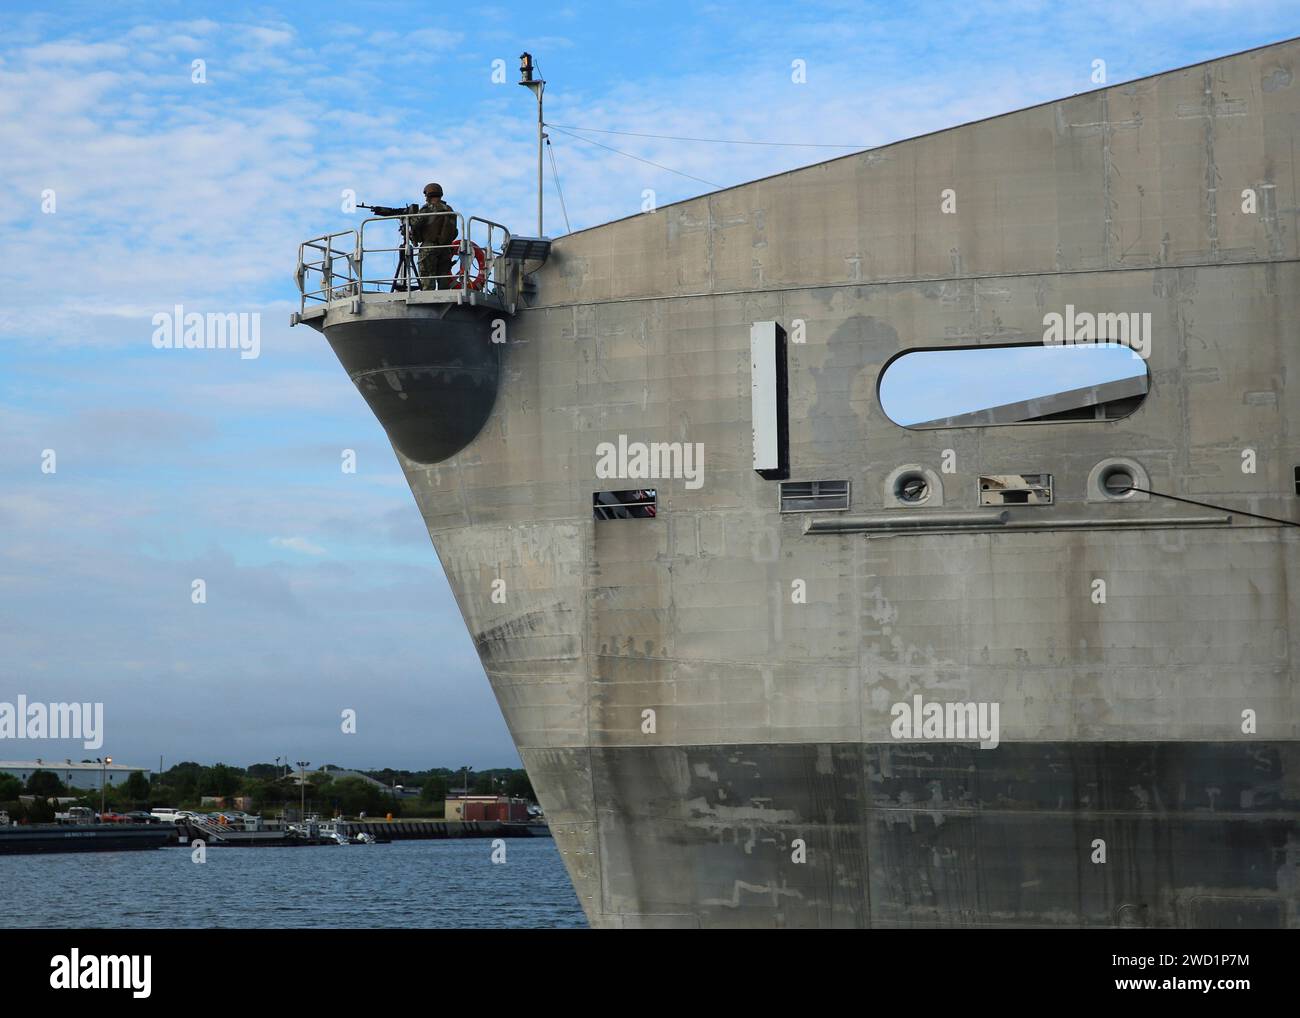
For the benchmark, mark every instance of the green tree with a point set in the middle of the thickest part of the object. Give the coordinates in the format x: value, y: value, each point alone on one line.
x: 183, y: 779
x: 10, y: 788
x: 44, y: 784
x: 356, y: 795
x: 136, y: 788
x: 220, y: 780
x: 266, y: 792
x: 518, y: 785
x: 316, y: 794
x: 434, y: 789
x: 320, y: 786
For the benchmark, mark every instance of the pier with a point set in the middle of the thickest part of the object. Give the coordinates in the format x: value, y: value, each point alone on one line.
x: 33, y: 839
x: 275, y: 835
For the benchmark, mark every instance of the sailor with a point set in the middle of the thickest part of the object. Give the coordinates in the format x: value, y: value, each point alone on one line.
x: 435, y: 235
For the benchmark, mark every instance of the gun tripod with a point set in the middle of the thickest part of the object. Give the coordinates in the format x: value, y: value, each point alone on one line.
x: 407, y: 276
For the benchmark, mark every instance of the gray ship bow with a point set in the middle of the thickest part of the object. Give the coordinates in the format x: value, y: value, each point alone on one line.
x: 773, y: 659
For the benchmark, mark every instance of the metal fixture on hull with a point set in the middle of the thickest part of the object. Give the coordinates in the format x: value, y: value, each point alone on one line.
x: 427, y: 361
x: 431, y: 379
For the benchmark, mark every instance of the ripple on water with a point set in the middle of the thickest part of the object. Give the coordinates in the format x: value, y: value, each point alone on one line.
x: 408, y: 884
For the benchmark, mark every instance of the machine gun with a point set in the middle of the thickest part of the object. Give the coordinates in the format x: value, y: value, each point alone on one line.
x: 405, y: 277
x: 389, y: 210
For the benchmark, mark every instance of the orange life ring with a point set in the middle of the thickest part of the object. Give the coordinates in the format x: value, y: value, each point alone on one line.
x: 480, y: 262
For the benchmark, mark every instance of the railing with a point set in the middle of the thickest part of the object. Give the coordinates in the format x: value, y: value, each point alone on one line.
x: 491, y: 238
x: 212, y: 830
x: 319, y: 280
x: 345, y: 265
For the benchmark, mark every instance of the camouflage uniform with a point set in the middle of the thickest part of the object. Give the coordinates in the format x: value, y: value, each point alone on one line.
x: 434, y: 234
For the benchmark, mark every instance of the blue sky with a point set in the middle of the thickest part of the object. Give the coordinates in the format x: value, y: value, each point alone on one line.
x: 323, y: 591
x: 927, y: 385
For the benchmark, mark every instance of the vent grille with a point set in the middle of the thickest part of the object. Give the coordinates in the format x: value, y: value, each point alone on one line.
x: 1017, y: 489
x: 636, y: 504
x: 814, y: 496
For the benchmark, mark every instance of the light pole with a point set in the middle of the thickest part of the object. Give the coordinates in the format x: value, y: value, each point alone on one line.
x: 302, y: 788
x: 103, y: 767
x: 537, y: 87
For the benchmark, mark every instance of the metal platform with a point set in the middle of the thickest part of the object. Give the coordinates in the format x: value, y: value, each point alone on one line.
x: 354, y: 306
x: 424, y: 351
x: 345, y: 271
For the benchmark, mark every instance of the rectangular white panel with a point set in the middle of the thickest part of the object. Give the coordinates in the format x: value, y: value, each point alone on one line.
x: 762, y: 365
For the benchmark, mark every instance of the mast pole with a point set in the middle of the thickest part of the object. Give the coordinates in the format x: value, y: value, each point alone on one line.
x: 537, y: 86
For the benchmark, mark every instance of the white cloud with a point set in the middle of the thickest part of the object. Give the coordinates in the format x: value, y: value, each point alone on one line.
x: 172, y: 192
x: 299, y: 544
x: 265, y: 35
x: 73, y: 52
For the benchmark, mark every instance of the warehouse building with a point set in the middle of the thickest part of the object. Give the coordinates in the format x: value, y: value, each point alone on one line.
x: 81, y: 775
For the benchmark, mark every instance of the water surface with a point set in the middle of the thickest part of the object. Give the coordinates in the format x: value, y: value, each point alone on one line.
x: 408, y: 884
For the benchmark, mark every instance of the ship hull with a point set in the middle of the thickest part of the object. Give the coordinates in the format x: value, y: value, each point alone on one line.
x: 706, y: 699
x: 1152, y: 835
